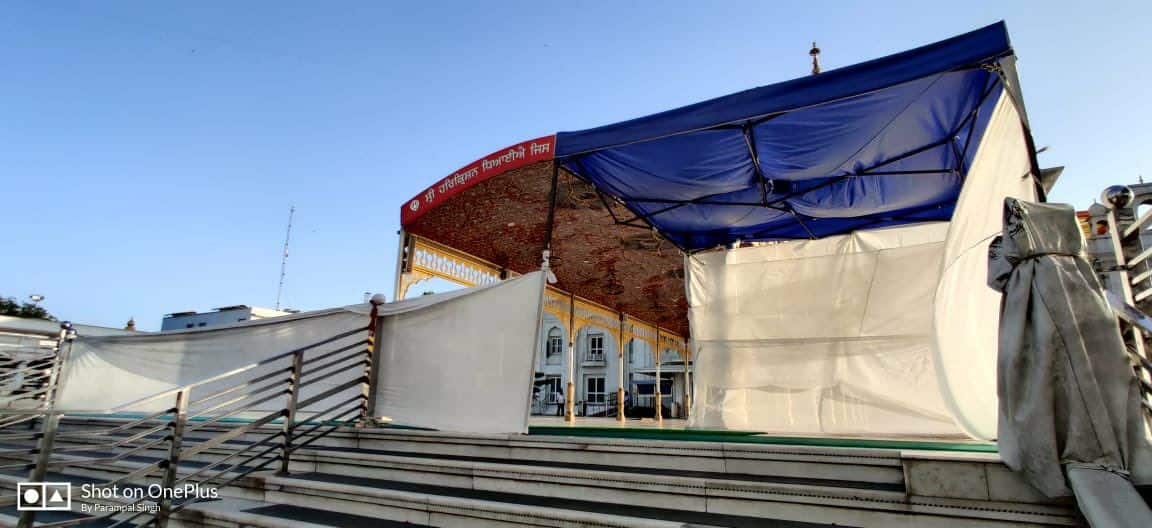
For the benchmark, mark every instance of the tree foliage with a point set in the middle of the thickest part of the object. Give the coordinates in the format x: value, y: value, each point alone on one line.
x: 10, y: 306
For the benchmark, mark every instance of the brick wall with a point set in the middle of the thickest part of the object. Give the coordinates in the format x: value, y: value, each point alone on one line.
x: 503, y: 220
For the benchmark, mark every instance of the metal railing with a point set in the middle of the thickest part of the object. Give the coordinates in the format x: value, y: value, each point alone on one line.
x: 1129, y: 302
x: 27, y: 378
x: 212, y: 432
x: 604, y: 406
x: 1133, y: 317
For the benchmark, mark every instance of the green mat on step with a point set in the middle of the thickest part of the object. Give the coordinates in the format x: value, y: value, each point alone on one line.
x: 754, y: 437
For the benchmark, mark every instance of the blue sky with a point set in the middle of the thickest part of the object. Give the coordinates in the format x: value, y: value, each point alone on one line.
x: 149, y: 151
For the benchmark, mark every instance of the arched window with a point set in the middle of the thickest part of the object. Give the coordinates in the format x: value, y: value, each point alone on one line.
x: 555, y: 345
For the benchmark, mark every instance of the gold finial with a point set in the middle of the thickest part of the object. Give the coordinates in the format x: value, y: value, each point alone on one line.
x: 815, y: 53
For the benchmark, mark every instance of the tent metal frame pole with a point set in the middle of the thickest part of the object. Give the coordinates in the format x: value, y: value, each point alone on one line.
x: 604, y: 201
x: 551, y: 222
x: 620, y: 370
x: 1017, y: 100
x: 570, y: 390
x: 401, y: 247
x: 750, y: 141
x: 992, y: 83
x: 689, y: 391
x: 659, y: 394
x: 872, y: 221
x: 800, y: 221
x: 831, y: 181
x: 687, y: 378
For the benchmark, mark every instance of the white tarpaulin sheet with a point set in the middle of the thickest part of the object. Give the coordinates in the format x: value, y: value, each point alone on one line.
x: 889, y: 331
x: 458, y: 361
x: 106, y: 372
x: 967, y: 310
x: 466, y: 365
x: 830, y: 336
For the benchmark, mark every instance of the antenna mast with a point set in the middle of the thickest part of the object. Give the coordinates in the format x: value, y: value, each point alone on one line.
x: 815, y: 54
x: 284, y: 260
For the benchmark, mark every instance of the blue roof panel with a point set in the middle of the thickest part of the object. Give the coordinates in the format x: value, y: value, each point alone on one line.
x: 884, y: 142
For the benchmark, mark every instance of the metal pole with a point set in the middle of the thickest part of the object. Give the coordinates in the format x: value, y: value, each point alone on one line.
x: 51, y: 421
x: 43, y: 451
x: 1118, y: 223
x: 687, y: 377
x: 550, y: 223
x: 401, y: 247
x: 620, y: 374
x: 372, y: 370
x: 688, y: 388
x: 570, y: 391
x: 659, y: 395
x: 290, y: 411
x: 67, y: 336
x: 173, y: 463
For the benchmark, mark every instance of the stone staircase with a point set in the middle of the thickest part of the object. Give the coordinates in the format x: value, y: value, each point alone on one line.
x: 393, y: 477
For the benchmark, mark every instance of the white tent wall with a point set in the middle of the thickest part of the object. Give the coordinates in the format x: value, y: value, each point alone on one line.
x: 966, y: 318
x: 880, y: 332
x: 463, y: 366
x: 105, y: 372
x: 458, y: 361
x: 830, y: 336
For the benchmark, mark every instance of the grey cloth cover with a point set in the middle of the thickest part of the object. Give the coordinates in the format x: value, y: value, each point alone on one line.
x: 1068, y: 396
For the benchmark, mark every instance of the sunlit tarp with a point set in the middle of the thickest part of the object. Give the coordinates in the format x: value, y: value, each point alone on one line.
x: 829, y: 336
x: 456, y: 361
x: 882, y: 143
x: 876, y: 332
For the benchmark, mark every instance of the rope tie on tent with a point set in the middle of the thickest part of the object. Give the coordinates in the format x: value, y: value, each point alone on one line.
x: 993, y: 67
x: 1100, y: 467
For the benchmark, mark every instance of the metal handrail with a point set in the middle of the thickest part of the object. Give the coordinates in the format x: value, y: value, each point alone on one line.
x: 1138, y: 225
x: 218, y: 377
x: 289, y: 374
x: 1133, y: 316
x: 30, y: 377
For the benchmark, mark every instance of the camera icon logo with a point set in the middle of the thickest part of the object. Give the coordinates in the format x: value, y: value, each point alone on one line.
x: 43, y: 496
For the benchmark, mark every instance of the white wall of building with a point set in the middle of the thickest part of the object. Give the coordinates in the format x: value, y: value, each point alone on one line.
x: 220, y: 317
x: 639, y: 363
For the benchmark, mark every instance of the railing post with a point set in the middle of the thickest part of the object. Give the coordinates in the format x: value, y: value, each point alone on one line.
x: 620, y: 370
x: 67, y: 335
x: 51, y: 421
x: 290, y: 411
x: 659, y: 394
x: 1120, y: 217
x: 570, y: 389
x: 43, y: 453
x: 173, y: 464
x: 372, y: 369
x: 687, y: 380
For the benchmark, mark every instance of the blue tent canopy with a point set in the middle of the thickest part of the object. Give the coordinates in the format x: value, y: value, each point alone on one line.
x: 882, y: 143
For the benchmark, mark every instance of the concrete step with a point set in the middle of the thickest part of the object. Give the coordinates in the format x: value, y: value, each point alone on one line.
x: 424, y: 462
x: 725, y: 483
x: 879, y: 466
x: 364, y: 473
x: 972, y: 476
x: 238, y: 513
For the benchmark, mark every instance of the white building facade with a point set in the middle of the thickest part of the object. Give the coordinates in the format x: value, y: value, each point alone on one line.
x: 222, y: 316
x: 598, y: 371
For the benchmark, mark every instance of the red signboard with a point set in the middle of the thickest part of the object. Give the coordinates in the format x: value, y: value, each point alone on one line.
x: 504, y: 160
